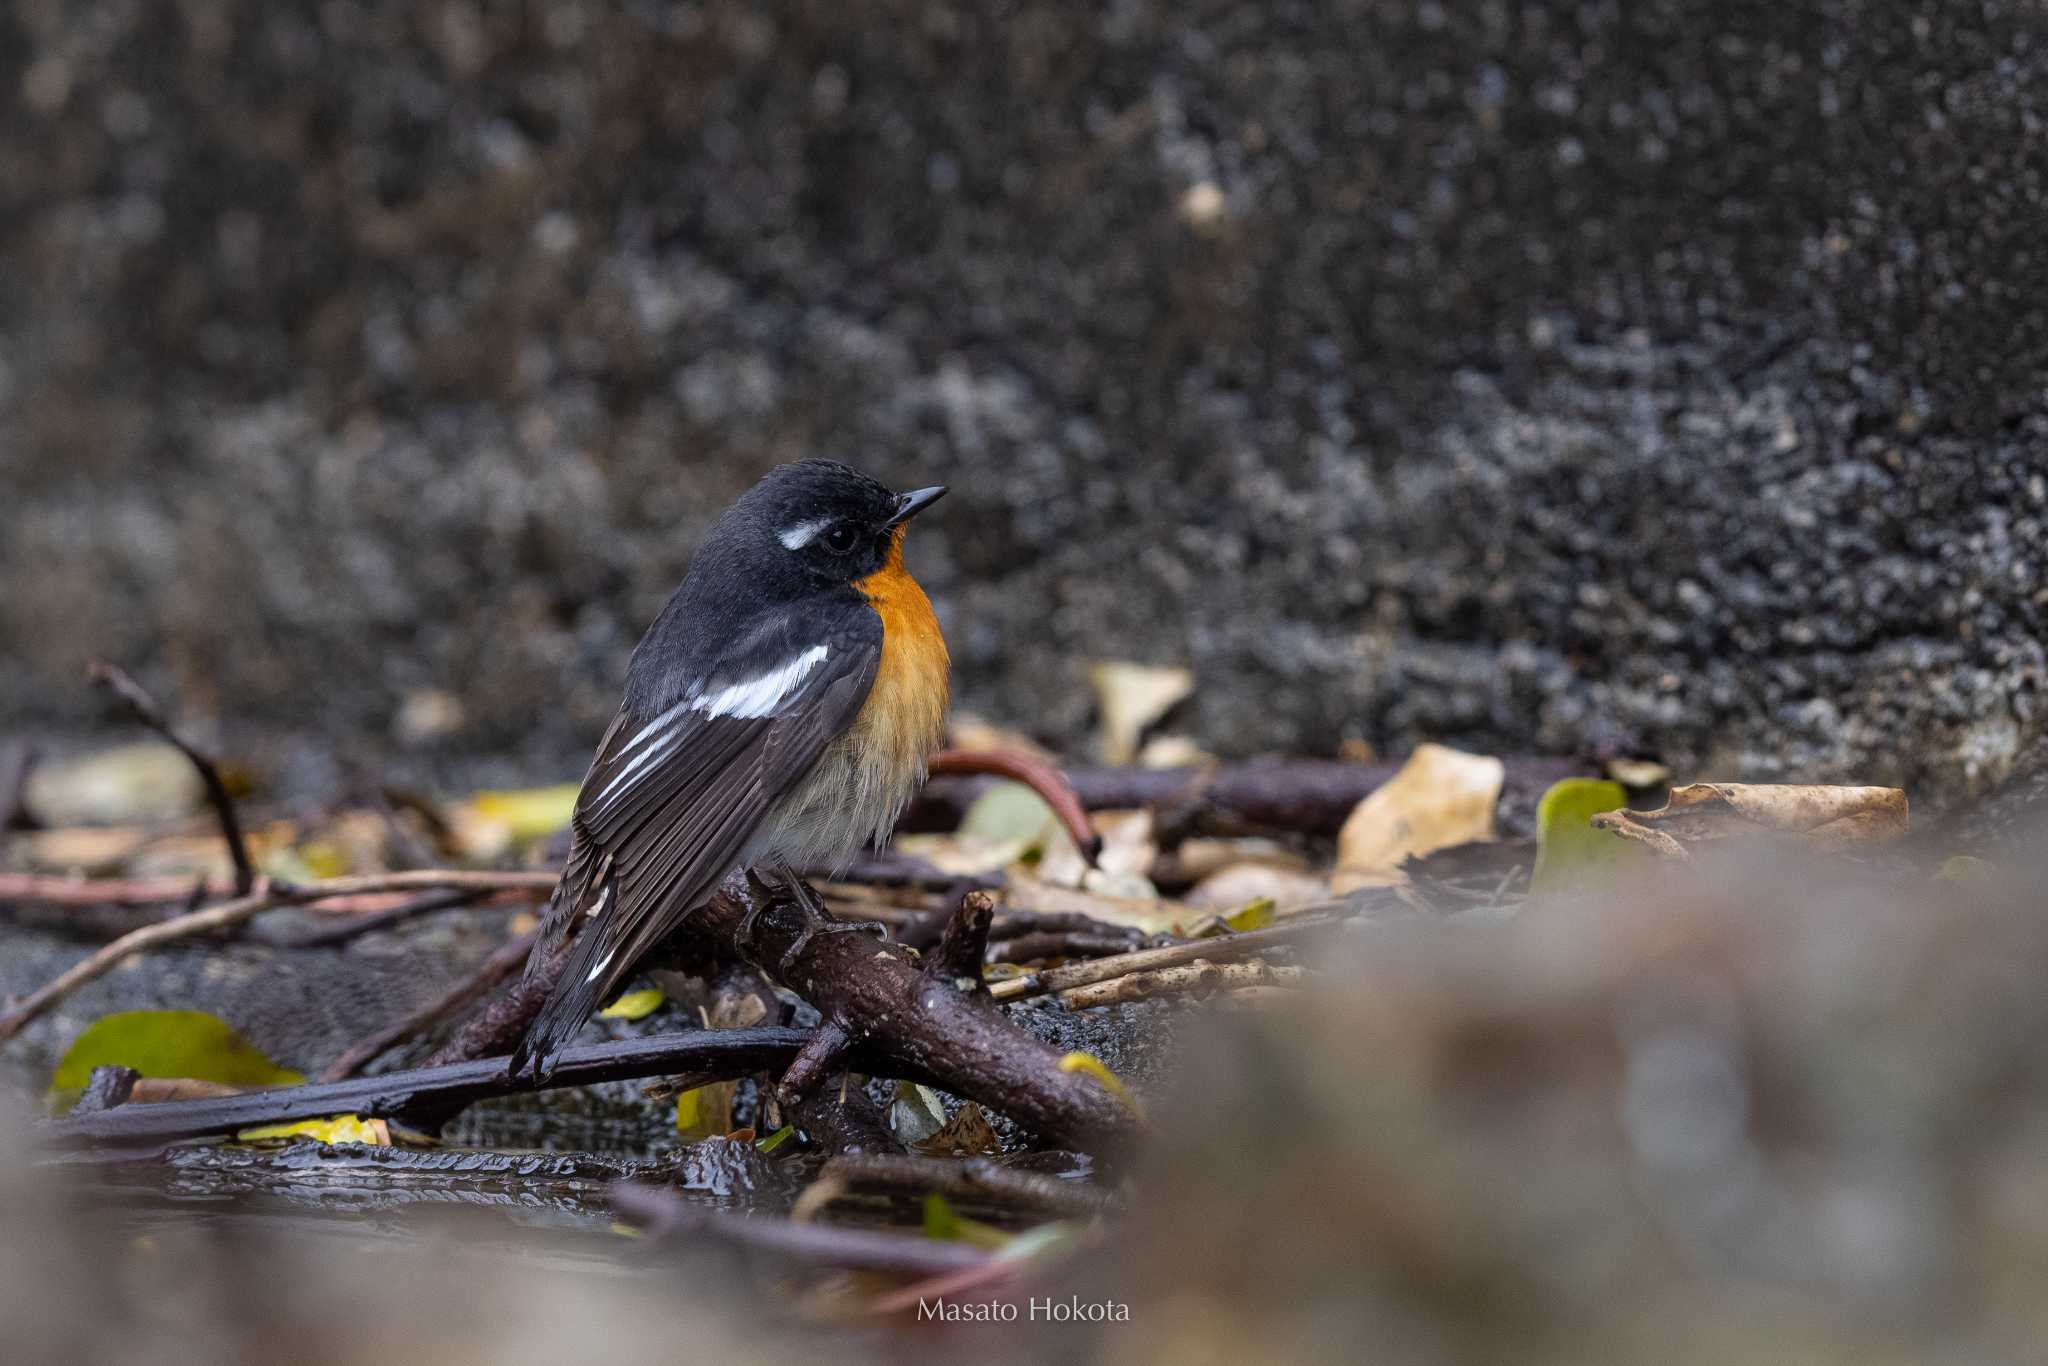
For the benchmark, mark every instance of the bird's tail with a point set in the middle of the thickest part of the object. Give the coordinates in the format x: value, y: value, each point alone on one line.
x: 583, y: 891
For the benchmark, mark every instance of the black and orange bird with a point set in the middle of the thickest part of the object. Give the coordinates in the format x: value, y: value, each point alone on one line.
x: 778, y: 715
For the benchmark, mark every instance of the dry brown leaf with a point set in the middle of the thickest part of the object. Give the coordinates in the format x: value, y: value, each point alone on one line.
x: 1441, y: 797
x: 1132, y: 697
x: 967, y: 1134
x: 1827, y: 817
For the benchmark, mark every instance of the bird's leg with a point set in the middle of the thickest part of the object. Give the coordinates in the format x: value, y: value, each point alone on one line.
x: 817, y: 920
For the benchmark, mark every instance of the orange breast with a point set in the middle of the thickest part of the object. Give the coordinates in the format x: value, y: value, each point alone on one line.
x: 904, y: 718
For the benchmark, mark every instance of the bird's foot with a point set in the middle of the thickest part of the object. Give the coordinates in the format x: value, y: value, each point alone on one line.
x: 817, y: 920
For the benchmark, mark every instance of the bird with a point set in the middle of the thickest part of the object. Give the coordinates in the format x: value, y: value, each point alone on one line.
x: 777, y: 716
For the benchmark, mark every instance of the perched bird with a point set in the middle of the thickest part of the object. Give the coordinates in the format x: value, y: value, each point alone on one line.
x: 778, y: 715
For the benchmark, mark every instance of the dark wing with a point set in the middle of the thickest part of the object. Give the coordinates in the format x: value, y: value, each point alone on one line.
x: 670, y: 803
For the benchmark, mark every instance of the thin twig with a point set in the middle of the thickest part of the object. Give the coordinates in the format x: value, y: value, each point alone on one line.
x: 974, y: 1178
x: 665, y: 1216
x: 356, y: 926
x: 231, y: 913
x: 145, y: 710
x: 1041, y: 777
x: 1200, y: 975
x: 495, y: 969
x: 17, y: 761
x: 1029, y: 948
x: 1227, y: 947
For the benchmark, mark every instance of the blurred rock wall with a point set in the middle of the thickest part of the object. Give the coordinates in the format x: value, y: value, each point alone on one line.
x: 1498, y: 374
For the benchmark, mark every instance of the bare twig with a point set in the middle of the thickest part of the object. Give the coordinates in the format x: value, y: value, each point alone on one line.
x: 1041, y: 777
x: 144, y: 708
x: 1200, y: 975
x: 822, y: 1052
x: 17, y: 761
x: 1029, y: 948
x: 665, y: 1216
x: 500, y: 965
x: 1228, y: 947
x: 973, y: 1178
x: 354, y: 927
x: 231, y: 913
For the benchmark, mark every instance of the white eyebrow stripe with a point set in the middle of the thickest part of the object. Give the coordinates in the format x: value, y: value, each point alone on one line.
x: 756, y: 697
x: 803, y: 533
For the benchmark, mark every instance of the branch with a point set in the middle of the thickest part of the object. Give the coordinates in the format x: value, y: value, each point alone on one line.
x: 973, y: 1178
x: 432, y: 1094
x: 17, y: 761
x: 665, y: 1216
x: 1048, y: 782
x: 234, y: 912
x: 500, y: 965
x: 933, y: 1021
x: 144, y: 708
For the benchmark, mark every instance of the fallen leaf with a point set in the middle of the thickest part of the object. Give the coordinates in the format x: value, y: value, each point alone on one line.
x: 706, y: 1111
x: 166, y: 1043
x: 490, y: 823
x: 128, y: 784
x: 633, y: 1005
x: 967, y: 1134
x: 1826, y: 817
x: 1284, y: 889
x: 1173, y: 751
x: 339, y: 1129
x: 943, y: 1224
x: 776, y: 1139
x: 1131, y: 698
x: 1440, y: 797
x: 1123, y: 865
x: 1570, y: 851
x: 1090, y: 1065
x: 916, y: 1112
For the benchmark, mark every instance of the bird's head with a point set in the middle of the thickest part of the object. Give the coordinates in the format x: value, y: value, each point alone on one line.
x: 825, y: 521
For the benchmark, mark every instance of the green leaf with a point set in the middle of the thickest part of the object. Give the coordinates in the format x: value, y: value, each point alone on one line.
x: 166, y: 1043
x: 1007, y: 812
x: 1257, y: 914
x: 776, y: 1139
x: 634, y: 1005
x: 1569, y: 850
x: 944, y: 1225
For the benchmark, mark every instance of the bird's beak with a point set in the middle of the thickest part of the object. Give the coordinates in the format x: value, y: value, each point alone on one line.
x: 914, y: 502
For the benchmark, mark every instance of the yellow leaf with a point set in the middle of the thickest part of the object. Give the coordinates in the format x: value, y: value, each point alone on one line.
x: 690, y: 1110
x: 941, y: 1223
x: 339, y: 1129
x: 1092, y: 1066
x: 634, y: 1005
x: 1255, y: 916
x: 528, y: 814
x: 1132, y: 698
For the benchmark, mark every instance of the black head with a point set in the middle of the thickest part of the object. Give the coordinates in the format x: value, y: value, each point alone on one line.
x: 820, y: 521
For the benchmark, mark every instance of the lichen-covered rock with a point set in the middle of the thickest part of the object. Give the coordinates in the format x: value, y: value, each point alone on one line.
x: 1500, y: 375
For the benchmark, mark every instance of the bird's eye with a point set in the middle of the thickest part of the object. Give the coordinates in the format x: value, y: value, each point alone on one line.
x: 841, y: 538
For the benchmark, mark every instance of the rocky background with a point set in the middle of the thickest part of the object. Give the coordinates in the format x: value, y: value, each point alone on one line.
x: 1515, y: 376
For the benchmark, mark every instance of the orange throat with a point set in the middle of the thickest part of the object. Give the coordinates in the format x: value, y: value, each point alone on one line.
x: 905, y: 715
